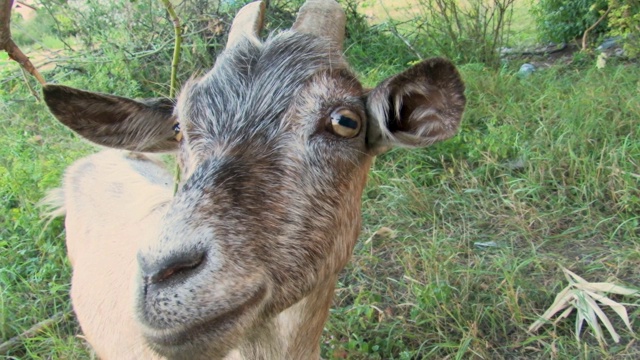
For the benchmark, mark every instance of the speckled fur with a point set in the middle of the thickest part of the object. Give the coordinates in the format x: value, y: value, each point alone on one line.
x: 276, y: 195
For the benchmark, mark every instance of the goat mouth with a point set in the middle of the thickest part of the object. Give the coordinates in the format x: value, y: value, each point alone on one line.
x: 210, y: 329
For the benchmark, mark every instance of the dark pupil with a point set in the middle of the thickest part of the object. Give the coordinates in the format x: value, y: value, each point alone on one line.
x: 347, y: 122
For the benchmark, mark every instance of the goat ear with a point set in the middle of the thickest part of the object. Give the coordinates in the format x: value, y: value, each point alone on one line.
x: 115, y: 121
x: 417, y: 107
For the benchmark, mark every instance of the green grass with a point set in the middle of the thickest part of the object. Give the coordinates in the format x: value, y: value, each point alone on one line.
x: 547, y: 167
x: 572, y: 200
x: 34, y: 273
x: 522, y: 26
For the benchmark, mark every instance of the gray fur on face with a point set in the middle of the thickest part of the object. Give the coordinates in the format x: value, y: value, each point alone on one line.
x: 250, y: 88
x: 271, y: 194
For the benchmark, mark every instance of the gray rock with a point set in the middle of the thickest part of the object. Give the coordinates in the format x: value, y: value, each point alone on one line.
x: 608, y: 43
x: 526, y: 69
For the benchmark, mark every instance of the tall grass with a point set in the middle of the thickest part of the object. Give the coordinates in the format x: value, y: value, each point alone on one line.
x: 547, y: 169
x: 34, y: 272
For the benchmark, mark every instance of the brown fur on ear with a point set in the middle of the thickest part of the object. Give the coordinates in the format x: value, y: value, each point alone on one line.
x: 114, y: 121
x: 417, y: 107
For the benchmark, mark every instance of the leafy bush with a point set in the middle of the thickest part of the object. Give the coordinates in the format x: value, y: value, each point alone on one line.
x: 29, y: 32
x: 561, y: 20
x: 624, y: 21
x: 565, y: 20
x: 472, y: 32
x: 134, y: 39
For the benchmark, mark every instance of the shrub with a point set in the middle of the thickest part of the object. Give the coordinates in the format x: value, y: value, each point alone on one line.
x: 624, y: 21
x: 562, y: 20
x: 134, y: 39
x: 472, y: 32
x: 565, y: 20
x: 29, y: 32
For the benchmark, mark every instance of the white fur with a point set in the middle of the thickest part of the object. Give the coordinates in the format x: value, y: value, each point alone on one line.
x: 125, y: 209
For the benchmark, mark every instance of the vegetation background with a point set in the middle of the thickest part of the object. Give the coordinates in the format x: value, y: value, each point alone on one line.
x: 544, y: 174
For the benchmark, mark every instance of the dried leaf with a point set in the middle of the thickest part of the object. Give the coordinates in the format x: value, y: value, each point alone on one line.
x: 607, y: 288
x: 579, y: 321
x: 382, y: 233
x: 560, y: 303
x: 563, y: 315
x: 584, y: 297
x: 590, y: 317
x: 617, y: 307
x: 603, y: 317
x: 573, y: 278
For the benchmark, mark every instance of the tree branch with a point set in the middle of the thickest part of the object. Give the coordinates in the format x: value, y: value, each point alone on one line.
x: 176, y: 47
x: 26, y: 5
x: 586, y: 32
x: 7, y: 44
x: 174, y: 72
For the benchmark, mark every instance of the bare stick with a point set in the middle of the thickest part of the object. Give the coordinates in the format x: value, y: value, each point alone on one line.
x: 12, y: 343
x: 176, y: 46
x: 395, y: 32
x: 174, y: 68
x: 586, y: 32
x: 7, y: 44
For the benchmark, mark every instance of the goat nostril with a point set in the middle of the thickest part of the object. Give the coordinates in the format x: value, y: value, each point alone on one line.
x: 172, y: 267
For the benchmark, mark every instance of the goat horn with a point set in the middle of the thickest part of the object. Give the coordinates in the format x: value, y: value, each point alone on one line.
x: 247, y: 23
x: 323, y: 18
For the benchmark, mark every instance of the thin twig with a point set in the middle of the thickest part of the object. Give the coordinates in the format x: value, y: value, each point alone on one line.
x: 176, y: 47
x: 26, y: 5
x: 15, y: 341
x: 586, y: 32
x: 61, y: 38
x: 395, y: 32
x: 174, y: 69
x: 31, y: 89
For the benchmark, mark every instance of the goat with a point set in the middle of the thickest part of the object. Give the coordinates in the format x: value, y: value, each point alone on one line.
x: 275, y: 147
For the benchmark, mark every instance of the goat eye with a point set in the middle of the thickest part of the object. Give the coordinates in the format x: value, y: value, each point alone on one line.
x: 345, y: 123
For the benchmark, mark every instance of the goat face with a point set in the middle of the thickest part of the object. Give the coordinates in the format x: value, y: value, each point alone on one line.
x: 276, y: 143
x: 270, y: 202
